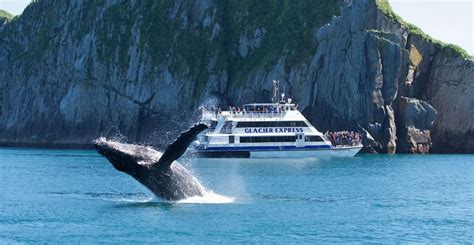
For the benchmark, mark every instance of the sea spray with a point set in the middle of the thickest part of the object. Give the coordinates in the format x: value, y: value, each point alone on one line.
x: 208, y: 196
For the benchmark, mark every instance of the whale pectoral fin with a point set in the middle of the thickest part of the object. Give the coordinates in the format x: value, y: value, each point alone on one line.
x: 176, y: 149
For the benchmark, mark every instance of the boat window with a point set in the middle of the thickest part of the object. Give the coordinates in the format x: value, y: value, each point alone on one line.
x: 227, y: 128
x: 213, y: 124
x: 271, y: 124
x: 314, y: 138
x: 263, y: 139
x: 231, y: 139
x: 261, y: 108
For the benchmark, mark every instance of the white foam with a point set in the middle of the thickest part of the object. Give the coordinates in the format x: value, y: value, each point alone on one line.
x: 135, y: 200
x: 208, y: 197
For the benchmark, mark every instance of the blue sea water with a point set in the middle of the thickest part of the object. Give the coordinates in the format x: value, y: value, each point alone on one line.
x: 72, y: 196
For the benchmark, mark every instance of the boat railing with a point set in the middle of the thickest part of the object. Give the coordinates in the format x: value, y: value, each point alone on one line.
x: 209, y: 115
x: 250, y: 115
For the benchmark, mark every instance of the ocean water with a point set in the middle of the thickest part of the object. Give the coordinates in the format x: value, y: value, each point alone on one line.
x: 72, y: 196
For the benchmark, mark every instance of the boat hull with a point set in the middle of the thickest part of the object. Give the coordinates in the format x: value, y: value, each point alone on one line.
x: 296, y: 153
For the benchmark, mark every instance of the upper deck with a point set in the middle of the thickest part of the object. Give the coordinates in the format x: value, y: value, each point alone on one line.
x: 256, y: 111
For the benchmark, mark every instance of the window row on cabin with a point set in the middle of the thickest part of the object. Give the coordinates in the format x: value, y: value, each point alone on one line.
x: 271, y: 124
x: 268, y: 139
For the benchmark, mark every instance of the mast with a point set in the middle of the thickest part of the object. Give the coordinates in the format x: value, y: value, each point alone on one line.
x: 276, y: 88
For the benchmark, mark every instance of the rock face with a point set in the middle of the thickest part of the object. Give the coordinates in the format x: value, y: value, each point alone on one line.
x: 415, y: 119
x: 143, y: 68
x: 371, y: 73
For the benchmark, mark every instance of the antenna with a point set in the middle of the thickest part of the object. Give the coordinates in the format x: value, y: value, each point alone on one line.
x: 282, y: 94
x: 276, y: 88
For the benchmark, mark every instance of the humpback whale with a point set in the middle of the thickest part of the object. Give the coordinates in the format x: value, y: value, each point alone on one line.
x: 159, y: 172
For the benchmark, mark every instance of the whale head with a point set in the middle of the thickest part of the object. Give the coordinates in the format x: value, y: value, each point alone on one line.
x: 127, y: 158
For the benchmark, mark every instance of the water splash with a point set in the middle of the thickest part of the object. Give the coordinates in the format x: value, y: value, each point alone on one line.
x: 114, y: 134
x: 209, y: 197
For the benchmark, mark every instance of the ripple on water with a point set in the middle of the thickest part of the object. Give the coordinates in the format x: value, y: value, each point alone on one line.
x: 107, y: 196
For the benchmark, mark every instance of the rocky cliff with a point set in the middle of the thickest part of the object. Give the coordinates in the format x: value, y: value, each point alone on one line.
x: 387, y: 77
x: 73, y: 70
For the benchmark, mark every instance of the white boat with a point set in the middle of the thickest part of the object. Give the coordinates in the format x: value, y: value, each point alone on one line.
x: 265, y: 130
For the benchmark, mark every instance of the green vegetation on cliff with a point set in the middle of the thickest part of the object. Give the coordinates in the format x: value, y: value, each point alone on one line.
x: 5, y: 16
x: 385, y: 7
x: 285, y: 27
x: 289, y: 30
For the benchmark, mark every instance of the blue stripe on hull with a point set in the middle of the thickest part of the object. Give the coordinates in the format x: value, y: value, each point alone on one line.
x: 266, y: 148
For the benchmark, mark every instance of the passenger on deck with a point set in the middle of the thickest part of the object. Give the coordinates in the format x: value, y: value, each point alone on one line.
x: 344, y: 138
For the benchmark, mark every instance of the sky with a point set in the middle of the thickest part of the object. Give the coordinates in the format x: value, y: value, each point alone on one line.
x: 450, y: 21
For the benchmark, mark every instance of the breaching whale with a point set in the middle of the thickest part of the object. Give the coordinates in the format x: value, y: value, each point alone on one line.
x: 157, y: 171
